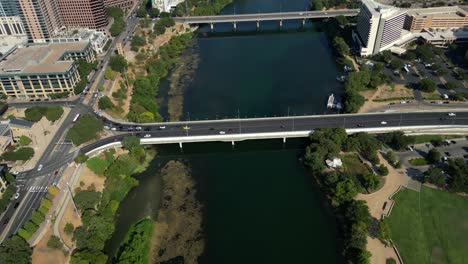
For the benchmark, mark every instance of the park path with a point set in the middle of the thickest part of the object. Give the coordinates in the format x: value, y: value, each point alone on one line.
x: 375, y: 201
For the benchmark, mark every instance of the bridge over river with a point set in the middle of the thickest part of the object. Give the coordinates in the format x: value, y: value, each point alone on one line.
x: 234, y: 18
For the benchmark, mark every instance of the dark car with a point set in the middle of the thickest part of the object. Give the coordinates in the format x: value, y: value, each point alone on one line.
x: 360, y: 125
x: 6, y: 221
x: 453, y: 141
x: 447, y: 153
x: 16, y: 205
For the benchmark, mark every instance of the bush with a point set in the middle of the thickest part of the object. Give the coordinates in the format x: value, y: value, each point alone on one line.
x: 35, y: 113
x: 433, y: 156
x: 109, y: 74
x: 43, y: 210
x: 37, y: 218
x: 383, y: 170
x: 105, y: 103
x: 46, y: 203
x: 427, y: 86
x: 69, y: 228
x: 24, y: 153
x: 15, y: 250
x: 54, y: 242
x: 84, y: 130
x: 53, y: 113
x: 24, y: 140
x: 87, y: 199
x: 24, y: 234
x: 135, y: 248
x: 418, y: 162
x: 81, y: 158
x: 30, y: 227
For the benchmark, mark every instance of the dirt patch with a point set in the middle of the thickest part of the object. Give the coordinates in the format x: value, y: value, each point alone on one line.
x: 43, y: 254
x: 382, y: 93
x: 70, y: 216
x: 178, y: 229
x: 89, y: 180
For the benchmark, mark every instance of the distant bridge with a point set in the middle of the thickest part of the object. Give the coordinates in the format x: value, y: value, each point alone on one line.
x: 265, y: 17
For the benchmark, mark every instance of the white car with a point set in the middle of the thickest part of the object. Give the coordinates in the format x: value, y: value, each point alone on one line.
x: 162, y: 127
x: 113, y: 129
x: 383, y: 123
x: 451, y: 114
x: 106, y: 127
x: 147, y: 135
x: 138, y: 128
x: 39, y: 168
x: 17, y: 195
x: 222, y: 132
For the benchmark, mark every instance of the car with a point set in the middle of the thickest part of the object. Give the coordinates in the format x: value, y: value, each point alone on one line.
x: 410, y: 148
x: 6, y: 221
x: 147, y: 136
x: 138, y: 128
x: 212, y: 128
x: 40, y: 167
x: 301, y: 14
x: 16, y: 205
x: 115, y: 139
x: 444, y: 158
x: 360, y: 125
x: 282, y: 126
x: 147, y: 129
x: 186, y: 128
x: 130, y: 128
x: 222, y: 132
x: 448, y: 154
x: 113, y: 129
x: 453, y: 142
x: 56, y: 173
x: 403, y: 102
x: 391, y: 103
x: 451, y: 114
x: 15, y: 172
x: 162, y: 127
x: 383, y: 123
x: 106, y: 127
x: 16, y: 196
x: 465, y: 156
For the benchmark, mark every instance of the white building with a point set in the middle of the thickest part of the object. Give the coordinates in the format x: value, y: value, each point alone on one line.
x: 97, y: 39
x: 165, y: 5
x: 378, y: 27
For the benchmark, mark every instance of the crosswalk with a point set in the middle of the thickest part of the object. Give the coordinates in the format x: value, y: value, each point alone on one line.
x: 37, y: 188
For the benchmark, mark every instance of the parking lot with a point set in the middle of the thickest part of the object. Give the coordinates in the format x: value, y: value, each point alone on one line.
x: 453, y: 148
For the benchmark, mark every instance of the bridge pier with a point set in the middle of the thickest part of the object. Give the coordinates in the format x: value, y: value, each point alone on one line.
x: 284, y: 140
x: 232, y: 142
x: 235, y: 25
x: 211, y: 27
x: 180, y: 145
x: 303, y: 23
x: 258, y: 24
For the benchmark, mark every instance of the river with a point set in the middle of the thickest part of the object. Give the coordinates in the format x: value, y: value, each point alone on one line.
x: 260, y: 204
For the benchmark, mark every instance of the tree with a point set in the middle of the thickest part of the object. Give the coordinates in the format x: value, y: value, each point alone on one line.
x: 15, y: 250
x: 427, y: 85
x: 105, y: 103
x: 118, y: 63
x: 340, y: 46
x: 54, y: 242
x: 167, y: 21
x: 109, y: 74
x: 344, y: 191
x: 130, y: 143
x: 383, y: 170
x: 371, y: 181
x: 154, y: 12
x: 69, y: 228
x: 434, y: 176
x: 24, y: 140
x: 459, y: 97
x: 391, y: 157
x: 396, y: 140
x: 451, y: 85
x: 159, y: 28
x: 397, y: 64
x: 23, y: 153
x: 433, y: 156
x: 342, y: 20
x: 425, y: 52
x: 458, y: 171
x: 81, y: 158
x: 141, y: 12
x: 384, y: 232
x: 114, y: 12
x: 87, y: 199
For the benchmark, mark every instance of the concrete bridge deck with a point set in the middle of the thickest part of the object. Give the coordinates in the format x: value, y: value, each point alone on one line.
x: 266, y: 16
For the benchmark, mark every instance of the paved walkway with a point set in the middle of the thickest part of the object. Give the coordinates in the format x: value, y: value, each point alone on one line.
x: 376, y: 201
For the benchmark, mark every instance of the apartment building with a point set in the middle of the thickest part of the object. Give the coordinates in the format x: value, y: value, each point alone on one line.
x: 36, y: 71
x: 83, y: 13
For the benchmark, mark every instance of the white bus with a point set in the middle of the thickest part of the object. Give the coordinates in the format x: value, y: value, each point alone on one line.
x: 76, y: 118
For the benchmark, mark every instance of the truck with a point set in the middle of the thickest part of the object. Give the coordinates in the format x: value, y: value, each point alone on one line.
x: 76, y: 118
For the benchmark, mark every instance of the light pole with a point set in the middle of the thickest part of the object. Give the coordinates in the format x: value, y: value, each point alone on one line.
x: 73, y: 201
x: 238, y: 117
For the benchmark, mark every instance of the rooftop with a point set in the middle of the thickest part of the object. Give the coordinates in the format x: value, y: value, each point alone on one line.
x: 39, y: 59
x: 449, y: 11
x: 21, y: 122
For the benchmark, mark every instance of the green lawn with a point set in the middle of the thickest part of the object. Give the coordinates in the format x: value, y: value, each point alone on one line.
x: 353, y: 165
x: 430, y: 226
x: 418, y: 162
x: 428, y: 138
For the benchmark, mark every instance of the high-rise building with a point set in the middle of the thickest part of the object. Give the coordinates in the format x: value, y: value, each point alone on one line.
x: 12, y: 31
x: 8, y: 8
x: 436, y: 18
x: 378, y: 27
x: 122, y: 4
x: 83, y: 13
x: 40, y: 17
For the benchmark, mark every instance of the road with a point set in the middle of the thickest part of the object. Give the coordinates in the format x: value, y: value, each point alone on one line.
x: 33, y: 184
x: 266, y: 16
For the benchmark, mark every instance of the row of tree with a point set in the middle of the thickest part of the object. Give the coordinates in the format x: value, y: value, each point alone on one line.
x: 326, y: 4
x: 200, y: 7
x: 98, y: 209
